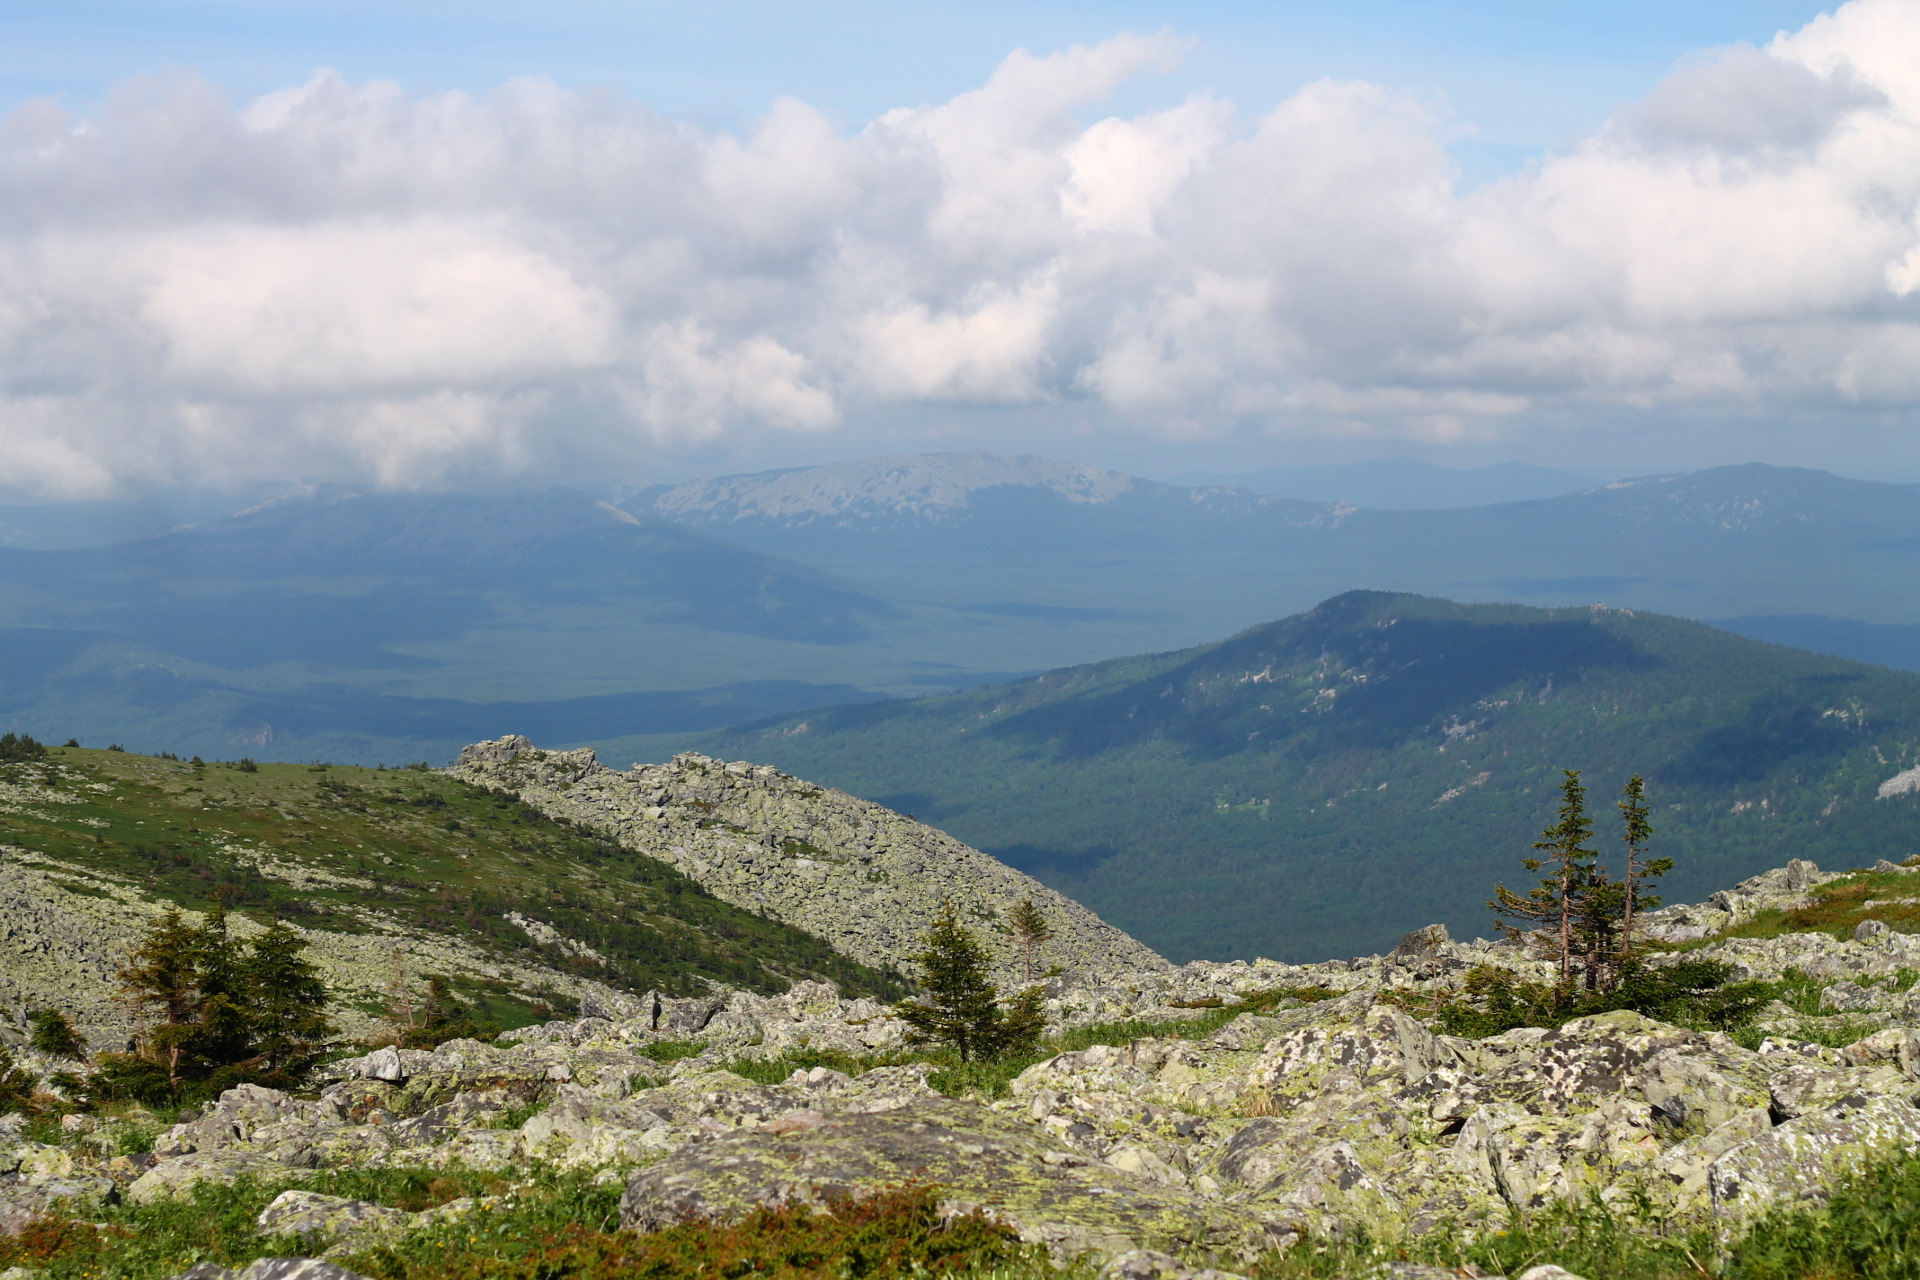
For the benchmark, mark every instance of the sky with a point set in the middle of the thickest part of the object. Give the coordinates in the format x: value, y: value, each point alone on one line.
x: 428, y: 245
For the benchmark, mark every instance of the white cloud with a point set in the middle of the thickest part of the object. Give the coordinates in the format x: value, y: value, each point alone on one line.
x: 347, y: 281
x: 345, y: 310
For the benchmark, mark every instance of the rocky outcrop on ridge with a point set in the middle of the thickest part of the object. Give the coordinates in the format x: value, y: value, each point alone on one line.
x: 864, y: 878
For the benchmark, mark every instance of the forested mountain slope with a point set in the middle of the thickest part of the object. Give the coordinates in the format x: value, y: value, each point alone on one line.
x: 1319, y: 785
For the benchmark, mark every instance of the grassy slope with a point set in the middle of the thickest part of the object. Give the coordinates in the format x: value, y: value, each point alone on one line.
x: 441, y: 855
x: 1317, y: 786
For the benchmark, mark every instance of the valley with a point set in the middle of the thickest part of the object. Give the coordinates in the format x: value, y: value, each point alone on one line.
x: 382, y: 628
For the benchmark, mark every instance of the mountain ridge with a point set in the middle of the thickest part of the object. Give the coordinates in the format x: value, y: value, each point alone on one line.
x: 1340, y: 772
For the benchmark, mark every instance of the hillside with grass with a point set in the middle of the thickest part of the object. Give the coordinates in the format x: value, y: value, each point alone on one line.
x: 1320, y: 785
x: 392, y: 874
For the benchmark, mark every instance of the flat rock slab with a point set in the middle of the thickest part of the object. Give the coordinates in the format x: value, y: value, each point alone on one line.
x: 976, y: 1156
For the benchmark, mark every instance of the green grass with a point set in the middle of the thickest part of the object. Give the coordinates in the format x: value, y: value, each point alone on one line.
x: 1838, y: 907
x: 671, y: 1050
x: 439, y: 854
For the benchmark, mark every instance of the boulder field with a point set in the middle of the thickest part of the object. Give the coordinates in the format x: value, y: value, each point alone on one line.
x: 1329, y: 1108
x: 866, y: 879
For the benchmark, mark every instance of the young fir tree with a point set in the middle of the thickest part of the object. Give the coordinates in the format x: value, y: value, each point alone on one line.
x: 962, y: 1006
x: 289, y: 1002
x: 161, y: 977
x: 16, y: 1084
x: 213, y: 1004
x: 1555, y: 902
x: 1030, y: 932
x: 52, y: 1032
x: 223, y: 1033
x: 1635, y: 816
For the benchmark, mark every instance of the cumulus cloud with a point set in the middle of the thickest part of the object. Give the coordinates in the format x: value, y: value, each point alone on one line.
x: 342, y: 280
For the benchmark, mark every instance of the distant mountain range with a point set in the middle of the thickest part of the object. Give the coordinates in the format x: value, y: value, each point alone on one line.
x: 1404, y: 484
x: 369, y: 627
x: 1332, y: 780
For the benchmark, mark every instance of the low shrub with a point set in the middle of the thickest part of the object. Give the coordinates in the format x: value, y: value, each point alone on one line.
x: 1689, y: 993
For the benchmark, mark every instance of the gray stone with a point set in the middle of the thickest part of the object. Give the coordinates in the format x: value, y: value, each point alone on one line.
x: 1145, y: 1264
x: 329, y: 1218
x: 864, y: 878
x: 297, y: 1269
x: 384, y: 1064
x: 1867, y: 930
x: 1800, y: 1159
x: 981, y: 1158
x: 1421, y: 944
x: 204, y: 1271
x: 1848, y: 997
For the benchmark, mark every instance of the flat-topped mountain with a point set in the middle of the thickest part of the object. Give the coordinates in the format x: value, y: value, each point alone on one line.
x: 926, y: 486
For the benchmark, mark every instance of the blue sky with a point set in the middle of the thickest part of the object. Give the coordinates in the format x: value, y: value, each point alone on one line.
x: 1613, y: 237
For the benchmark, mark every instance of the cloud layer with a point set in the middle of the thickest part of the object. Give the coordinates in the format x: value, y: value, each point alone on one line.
x: 344, y: 281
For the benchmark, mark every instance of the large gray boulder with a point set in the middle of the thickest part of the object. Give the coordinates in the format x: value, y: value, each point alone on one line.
x: 978, y: 1156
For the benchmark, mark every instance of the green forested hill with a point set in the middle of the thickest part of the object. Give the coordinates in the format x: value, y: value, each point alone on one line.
x: 1317, y: 786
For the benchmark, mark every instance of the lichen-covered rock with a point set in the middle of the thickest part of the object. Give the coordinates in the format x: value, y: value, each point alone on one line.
x: 330, y: 1220
x: 172, y: 1178
x: 1335, y: 1107
x: 272, y: 1269
x: 1801, y: 1159
x: 980, y: 1158
x: 1146, y: 1264
x: 1805, y: 1088
x: 863, y: 877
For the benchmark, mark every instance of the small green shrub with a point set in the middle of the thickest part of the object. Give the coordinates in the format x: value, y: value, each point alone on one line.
x: 671, y: 1050
x: 16, y: 748
x: 1690, y: 993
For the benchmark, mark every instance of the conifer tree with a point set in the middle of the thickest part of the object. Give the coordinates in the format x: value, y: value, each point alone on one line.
x: 289, y: 1002
x: 161, y: 976
x: 212, y: 1004
x: 962, y: 1004
x: 224, y: 1030
x: 1031, y: 931
x: 1635, y: 815
x: 52, y: 1032
x: 1556, y: 901
x: 16, y: 1084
